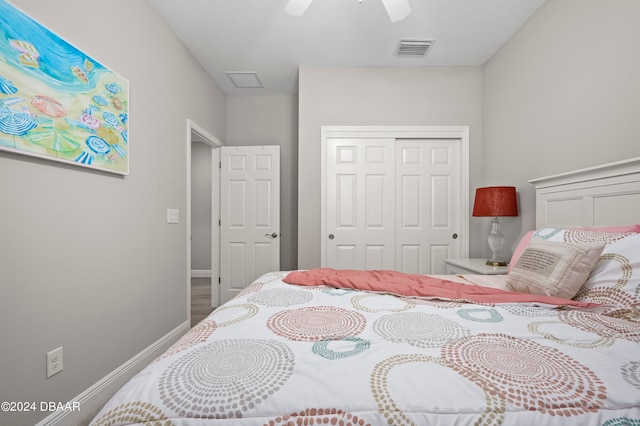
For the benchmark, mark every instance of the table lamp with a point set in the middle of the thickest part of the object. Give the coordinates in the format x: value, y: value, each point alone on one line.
x: 496, y: 202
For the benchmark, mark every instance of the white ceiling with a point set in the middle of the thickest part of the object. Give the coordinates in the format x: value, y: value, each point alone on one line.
x: 258, y: 35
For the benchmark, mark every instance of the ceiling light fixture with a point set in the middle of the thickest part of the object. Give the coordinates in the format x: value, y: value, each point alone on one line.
x: 396, y: 9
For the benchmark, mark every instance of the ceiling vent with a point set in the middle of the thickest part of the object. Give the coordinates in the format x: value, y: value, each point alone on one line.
x: 244, y: 79
x: 413, y: 47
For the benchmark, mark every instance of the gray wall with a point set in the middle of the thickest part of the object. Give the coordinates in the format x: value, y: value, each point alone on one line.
x: 562, y: 94
x: 272, y: 120
x: 377, y: 96
x: 87, y: 260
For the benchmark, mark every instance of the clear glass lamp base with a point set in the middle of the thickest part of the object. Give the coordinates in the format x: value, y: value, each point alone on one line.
x: 496, y: 242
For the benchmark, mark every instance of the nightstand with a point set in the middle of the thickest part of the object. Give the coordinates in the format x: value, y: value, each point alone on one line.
x: 472, y: 266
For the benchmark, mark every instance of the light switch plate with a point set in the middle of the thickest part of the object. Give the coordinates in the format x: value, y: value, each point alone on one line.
x: 173, y: 216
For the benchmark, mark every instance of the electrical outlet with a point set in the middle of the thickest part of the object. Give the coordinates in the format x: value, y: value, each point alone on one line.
x: 54, y: 362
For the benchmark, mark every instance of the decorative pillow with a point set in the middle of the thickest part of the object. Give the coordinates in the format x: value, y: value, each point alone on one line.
x: 553, y: 268
x: 615, y: 279
x: 524, y: 242
x: 558, y: 234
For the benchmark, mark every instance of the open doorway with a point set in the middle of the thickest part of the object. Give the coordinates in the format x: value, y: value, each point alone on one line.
x: 203, y: 212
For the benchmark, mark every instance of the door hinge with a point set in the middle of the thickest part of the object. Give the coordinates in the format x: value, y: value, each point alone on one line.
x: 219, y: 280
x: 219, y: 164
x: 219, y: 223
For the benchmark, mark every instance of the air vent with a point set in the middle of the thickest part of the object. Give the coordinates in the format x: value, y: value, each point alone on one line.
x: 413, y: 47
x: 244, y: 79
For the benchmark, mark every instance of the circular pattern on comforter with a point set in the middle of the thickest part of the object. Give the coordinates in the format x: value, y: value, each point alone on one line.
x: 226, y: 378
x: 322, y: 348
x: 249, y: 311
x: 317, y: 416
x: 198, y: 334
x: 133, y: 412
x: 605, y: 296
x: 622, y: 421
x: 480, y: 315
x: 418, y: 329
x: 631, y: 373
x: 316, y: 323
x: 529, y: 375
x: 281, y: 297
x: 386, y: 303
x: 382, y: 391
x: 603, y: 325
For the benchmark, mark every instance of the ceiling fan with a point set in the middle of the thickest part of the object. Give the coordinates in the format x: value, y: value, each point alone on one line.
x: 396, y: 9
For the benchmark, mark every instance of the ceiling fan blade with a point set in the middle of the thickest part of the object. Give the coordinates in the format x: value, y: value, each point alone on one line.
x: 396, y: 9
x: 297, y: 7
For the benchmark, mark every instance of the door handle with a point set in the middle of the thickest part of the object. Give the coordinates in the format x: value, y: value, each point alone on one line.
x: 272, y: 235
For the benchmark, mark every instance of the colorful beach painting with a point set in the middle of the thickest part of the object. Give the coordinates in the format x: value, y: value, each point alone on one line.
x: 57, y: 102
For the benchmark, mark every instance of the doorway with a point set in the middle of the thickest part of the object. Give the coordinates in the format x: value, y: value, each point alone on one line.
x: 203, y: 213
x: 234, y: 245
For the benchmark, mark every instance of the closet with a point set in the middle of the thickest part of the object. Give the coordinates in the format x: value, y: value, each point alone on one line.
x: 394, y: 199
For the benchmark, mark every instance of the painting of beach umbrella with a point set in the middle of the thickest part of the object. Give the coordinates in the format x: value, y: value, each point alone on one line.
x: 15, y: 123
x: 29, y: 55
x: 7, y: 87
x: 11, y: 101
x: 49, y: 106
x: 57, y: 102
x: 109, y: 135
x: 54, y: 139
x: 98, y: 145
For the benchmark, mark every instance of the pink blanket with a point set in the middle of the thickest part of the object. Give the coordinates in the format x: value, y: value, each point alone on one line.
x: 419, y: 286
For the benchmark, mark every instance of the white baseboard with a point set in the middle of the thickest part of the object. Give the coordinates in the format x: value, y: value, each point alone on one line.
x: 200, y: 273
x: 92, y: 399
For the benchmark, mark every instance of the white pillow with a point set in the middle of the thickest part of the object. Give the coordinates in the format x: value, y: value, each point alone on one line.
x: 553, y: 268
x: 615, y: 279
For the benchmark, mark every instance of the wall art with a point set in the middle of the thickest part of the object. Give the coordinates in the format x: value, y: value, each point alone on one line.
x: 57, y: 102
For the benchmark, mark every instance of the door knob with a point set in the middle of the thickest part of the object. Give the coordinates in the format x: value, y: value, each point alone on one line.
x: 331, y: 237
x: 454, y: 236
x: 272, y: 235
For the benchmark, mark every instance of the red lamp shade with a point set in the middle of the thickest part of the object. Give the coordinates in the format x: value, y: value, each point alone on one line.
x: 495, y: 201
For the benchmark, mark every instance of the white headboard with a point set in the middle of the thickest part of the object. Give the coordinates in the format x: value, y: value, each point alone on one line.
x: 605, y: 195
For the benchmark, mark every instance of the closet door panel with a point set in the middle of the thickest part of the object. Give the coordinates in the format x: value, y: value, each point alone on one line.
x: 360, y: 219
x: 426, y: 182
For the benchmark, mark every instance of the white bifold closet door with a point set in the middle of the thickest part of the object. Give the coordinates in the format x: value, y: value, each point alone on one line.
x: 392, y: 203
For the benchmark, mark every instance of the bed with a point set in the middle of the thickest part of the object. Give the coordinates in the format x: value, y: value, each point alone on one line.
x: 554, y: 342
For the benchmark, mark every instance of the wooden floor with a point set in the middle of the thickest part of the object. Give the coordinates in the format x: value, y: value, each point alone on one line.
x: 200, y: 299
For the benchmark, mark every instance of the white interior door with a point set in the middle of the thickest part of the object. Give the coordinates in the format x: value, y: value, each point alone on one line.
x: 249, y: 216
x: 360, y: 216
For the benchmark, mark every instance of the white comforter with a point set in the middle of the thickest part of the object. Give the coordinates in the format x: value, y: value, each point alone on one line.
x: 284, y: 354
